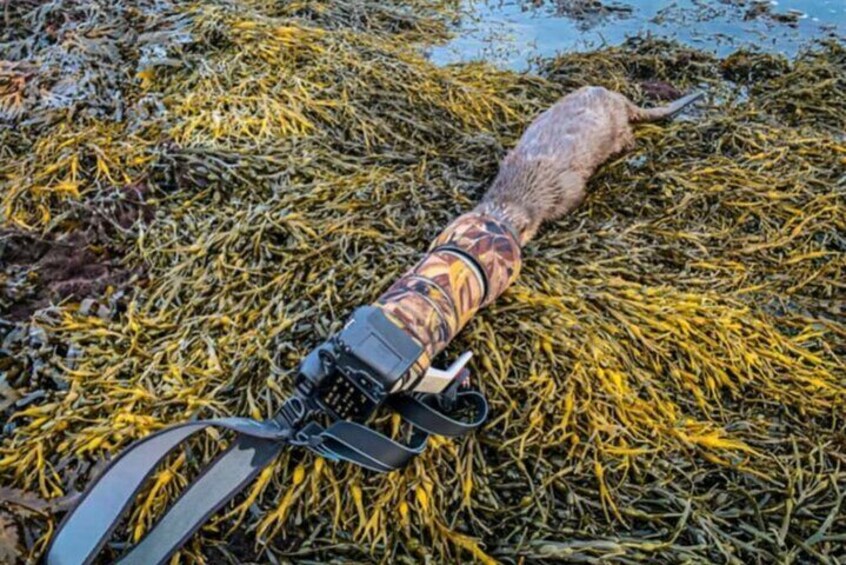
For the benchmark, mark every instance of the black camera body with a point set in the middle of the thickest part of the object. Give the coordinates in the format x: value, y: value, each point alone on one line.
x: 353, y: 371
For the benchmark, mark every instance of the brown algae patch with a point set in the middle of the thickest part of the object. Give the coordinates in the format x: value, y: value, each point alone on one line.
x: 667, y: 376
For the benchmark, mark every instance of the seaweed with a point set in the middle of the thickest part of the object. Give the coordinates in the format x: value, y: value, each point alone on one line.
x: 588, y: 13
x: 667, y: 377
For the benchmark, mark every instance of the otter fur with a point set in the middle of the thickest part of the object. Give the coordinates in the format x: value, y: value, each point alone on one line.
x: 545, y: 175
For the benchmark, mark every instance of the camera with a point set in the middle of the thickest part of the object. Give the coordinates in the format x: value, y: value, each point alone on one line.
x: 352, y: 372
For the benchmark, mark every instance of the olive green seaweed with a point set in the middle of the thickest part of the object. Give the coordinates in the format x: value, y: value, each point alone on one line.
x: 667, y: 376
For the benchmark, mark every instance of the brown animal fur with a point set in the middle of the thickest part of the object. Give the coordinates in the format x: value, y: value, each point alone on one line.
x: 545, y: 175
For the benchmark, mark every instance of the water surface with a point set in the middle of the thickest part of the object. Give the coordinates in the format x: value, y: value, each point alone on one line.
x: 511, y: 33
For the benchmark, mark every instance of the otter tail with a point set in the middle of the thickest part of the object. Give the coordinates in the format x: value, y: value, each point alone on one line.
x: 663, y: 112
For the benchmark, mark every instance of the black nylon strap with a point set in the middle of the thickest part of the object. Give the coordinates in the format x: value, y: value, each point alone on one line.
x: 88, y: 526
x: 86, y: 529
x: 220, y: 481
x: 421, y: 414
x: 368, y: 448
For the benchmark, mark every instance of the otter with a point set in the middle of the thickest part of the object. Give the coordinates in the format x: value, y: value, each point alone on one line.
x: 544, y: 177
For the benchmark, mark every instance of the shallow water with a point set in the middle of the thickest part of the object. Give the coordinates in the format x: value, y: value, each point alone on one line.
x: 511, y: 33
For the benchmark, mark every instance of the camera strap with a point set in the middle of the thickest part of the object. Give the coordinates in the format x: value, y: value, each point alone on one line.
x: 86, y: 529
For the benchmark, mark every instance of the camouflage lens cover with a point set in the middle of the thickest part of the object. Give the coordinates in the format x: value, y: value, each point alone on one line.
x: 469, y: 265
